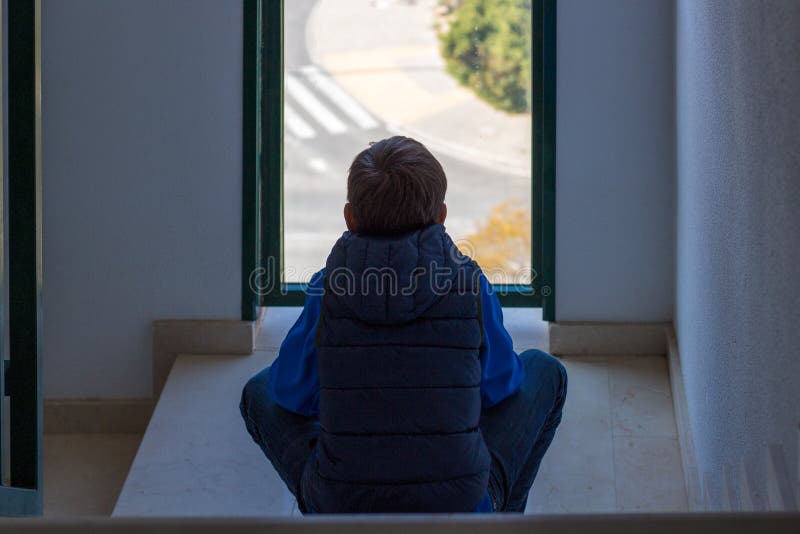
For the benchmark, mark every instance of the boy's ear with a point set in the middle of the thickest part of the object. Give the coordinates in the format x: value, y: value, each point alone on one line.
x: 442, y: 214
x: 348, y: 217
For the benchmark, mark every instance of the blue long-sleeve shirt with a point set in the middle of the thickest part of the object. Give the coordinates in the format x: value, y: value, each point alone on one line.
x: 294, y: 380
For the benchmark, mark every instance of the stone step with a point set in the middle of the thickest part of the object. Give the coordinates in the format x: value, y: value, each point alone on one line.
x: 196, y: 458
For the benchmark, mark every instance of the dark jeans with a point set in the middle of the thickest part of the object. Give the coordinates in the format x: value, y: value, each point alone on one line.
x: 517, y: 431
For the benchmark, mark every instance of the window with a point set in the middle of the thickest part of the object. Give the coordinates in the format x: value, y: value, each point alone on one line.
x: 324, y: 78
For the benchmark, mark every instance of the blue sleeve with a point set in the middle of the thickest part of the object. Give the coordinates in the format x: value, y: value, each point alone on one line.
x: 293, y: 377
x: 502, y: 370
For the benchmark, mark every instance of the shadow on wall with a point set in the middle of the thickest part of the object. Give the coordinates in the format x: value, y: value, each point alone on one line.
x: 741, y: 488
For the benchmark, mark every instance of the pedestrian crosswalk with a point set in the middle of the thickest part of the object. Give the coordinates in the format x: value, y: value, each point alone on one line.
x: 297, y: 124
x: 309, y: 98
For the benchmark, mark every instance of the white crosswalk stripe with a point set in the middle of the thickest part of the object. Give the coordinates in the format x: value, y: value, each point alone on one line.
x: 323, y: 83
x: 296, y: 125
x: 303, y: 96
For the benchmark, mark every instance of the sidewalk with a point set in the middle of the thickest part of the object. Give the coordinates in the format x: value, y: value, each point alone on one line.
x: 385, y: 53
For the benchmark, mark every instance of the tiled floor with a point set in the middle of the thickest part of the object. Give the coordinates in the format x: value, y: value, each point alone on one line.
x: 83, y: 473
x: 616, y: 449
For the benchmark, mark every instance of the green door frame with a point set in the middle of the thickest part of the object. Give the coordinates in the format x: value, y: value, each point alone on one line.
x: 262, y: 230
x: 21, y: 372
x: 251, y: 155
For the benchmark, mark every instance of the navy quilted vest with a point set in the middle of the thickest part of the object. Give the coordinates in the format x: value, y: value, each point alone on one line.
x: 398, y: 345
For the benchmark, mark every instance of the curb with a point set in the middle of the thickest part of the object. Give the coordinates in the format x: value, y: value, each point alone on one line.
x: 461, y: 152
x: 487, y: 160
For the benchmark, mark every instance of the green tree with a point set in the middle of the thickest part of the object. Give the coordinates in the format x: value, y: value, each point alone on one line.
x: 487, y: 48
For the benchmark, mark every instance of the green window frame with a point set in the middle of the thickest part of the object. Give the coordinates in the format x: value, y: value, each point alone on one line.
x: 262, y: 137
x: 21, y: 371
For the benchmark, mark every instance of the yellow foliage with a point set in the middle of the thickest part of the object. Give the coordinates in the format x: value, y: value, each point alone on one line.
x: 502, y: 244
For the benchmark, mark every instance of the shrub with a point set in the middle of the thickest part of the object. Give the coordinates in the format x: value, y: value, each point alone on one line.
x: 486, y: 47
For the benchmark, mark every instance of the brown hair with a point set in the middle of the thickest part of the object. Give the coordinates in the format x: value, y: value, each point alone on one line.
x: 395, y: 186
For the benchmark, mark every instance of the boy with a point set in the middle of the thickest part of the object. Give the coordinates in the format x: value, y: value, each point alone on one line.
x: 398, y: 388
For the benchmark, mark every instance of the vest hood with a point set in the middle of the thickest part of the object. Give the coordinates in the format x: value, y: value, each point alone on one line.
x: 390, y: 280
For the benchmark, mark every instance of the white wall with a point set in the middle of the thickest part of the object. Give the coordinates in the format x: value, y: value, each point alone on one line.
x: 141, y: 182
x: 738, y: 258
x: 142, y: 170
x: 615, y: 161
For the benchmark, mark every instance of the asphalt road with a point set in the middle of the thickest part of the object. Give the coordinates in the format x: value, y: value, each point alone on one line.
x: 324, y: 130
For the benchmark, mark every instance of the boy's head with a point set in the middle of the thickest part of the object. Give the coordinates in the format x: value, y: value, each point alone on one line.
x: 394, y: 186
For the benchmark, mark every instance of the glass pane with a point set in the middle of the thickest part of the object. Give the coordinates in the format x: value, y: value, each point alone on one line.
x: 453, y: 74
